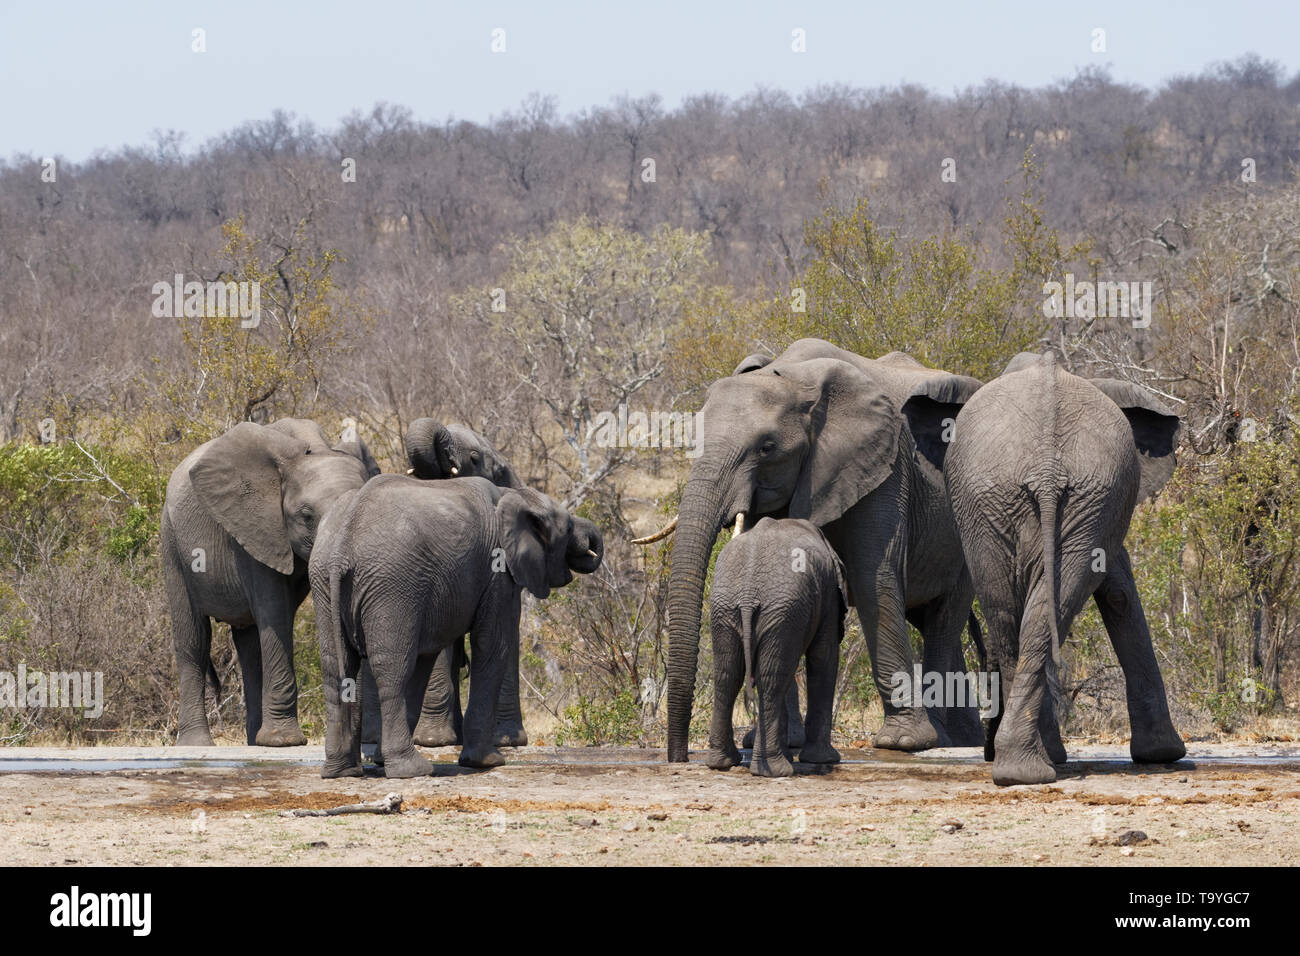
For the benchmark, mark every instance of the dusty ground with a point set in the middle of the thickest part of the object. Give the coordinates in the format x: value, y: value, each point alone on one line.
x: 1226, y: 804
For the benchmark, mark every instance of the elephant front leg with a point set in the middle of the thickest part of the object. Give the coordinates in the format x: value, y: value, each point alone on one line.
x: 510, y: 718
x: 280, y: 726
x: 907, y: 726
x: 1154, y: 739
x: 440, y: 722
x: 495, y: 632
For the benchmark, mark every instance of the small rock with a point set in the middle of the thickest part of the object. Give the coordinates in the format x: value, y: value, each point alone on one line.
x: 952, y: 822
x: 1039, y: 857
x: 1131, y: 838
x: 1182, y: 779
x: 1127, y: 851
x: 656, y: 816
x: 869, y: 827
x: 629, y: 826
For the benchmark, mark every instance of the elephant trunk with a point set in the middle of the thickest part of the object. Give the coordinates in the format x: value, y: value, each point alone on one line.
x: 700, y: 517
x: 427, y: 442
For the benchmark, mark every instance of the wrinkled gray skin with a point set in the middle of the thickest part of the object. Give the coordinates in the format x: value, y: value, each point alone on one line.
x: 252, y: 500
x: 437, y: 451
x: 855, y: 446
x: 1044, y: 473
x: 778, y: 595
x: 404, y: 567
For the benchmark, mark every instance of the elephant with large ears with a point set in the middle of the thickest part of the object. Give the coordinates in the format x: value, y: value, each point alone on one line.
x: 238, y: 525
x: 1044, y: 473
x: 856, y: 446
x: 404, y: 567
x: 778, y: 596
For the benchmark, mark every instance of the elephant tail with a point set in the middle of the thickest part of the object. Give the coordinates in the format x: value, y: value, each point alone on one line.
x: 747, y: 645
x: 1048, y: 504
x: 339, y: 622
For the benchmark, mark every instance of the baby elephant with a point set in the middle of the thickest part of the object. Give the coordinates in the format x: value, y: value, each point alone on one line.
x: 402, y: 568
x: 778, y: 593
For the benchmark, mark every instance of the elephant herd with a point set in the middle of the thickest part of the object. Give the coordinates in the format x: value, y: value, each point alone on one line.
x: 879, y: 484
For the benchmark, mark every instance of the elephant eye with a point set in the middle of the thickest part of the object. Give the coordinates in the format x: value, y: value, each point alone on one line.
x: 767, y: 447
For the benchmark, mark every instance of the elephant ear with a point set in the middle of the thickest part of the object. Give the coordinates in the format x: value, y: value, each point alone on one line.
x: 238, y: 481
x: 855, y: 428
x: 1155, y: 431
x: 527, y: 537
x: 752, y: 363
x: 931, y: 411
x: 360, y: 451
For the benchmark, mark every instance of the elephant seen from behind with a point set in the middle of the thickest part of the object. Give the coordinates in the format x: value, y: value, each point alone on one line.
x: 1044, y: 472
x: 403, y: 568
x: 778, y: 595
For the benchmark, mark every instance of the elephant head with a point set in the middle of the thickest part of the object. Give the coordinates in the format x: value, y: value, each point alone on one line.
x: 269, y: 486
x: 1155, y: 426
x: 543, y: 544
x: 454, y: 451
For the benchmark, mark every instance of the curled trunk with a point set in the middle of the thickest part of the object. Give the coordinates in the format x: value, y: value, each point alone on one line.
x: 426, y: 446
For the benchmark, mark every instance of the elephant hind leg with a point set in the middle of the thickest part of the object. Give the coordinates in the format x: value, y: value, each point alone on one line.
x: 941, y: 624
x: 1154, y: 739
x: 822, y: 661
x: 728, y: 675
x: 192, y: 637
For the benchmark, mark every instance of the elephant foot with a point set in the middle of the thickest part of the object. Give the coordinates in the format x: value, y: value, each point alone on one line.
x: 1023, y: 769
x: 287, y: 734
x: 510, y: 735
x: 723, y: 759
x: 411, y: 764
x: 1161, y: 745
x: 776, y: 766
x: 481, y: 757
x: 341, y: 768
x: 908, y: 730
x: 195, y: 738
x: 819, y: 753
x: 747, y: 741
x: 435, y: 733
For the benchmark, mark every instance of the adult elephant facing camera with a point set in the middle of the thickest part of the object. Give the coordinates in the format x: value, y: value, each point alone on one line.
x: 238, y: 526
x: 856, y: 446
x: 404, y: 567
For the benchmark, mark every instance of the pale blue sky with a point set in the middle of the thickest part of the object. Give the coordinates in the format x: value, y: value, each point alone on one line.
x: 83, y: 75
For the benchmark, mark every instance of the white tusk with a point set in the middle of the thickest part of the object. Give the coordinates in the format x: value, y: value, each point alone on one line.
x: 410, y: 471
x: 668, y: 529
x: 740, y: 523
x: 454, y: 471
x: 592, y: 553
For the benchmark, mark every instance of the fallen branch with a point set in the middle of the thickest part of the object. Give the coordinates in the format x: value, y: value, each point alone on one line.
x: 389, y: 804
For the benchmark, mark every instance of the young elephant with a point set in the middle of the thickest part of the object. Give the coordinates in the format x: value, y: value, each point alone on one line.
x: 404, y: 567
x: 1044, y: 472
x: 778, y: 594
